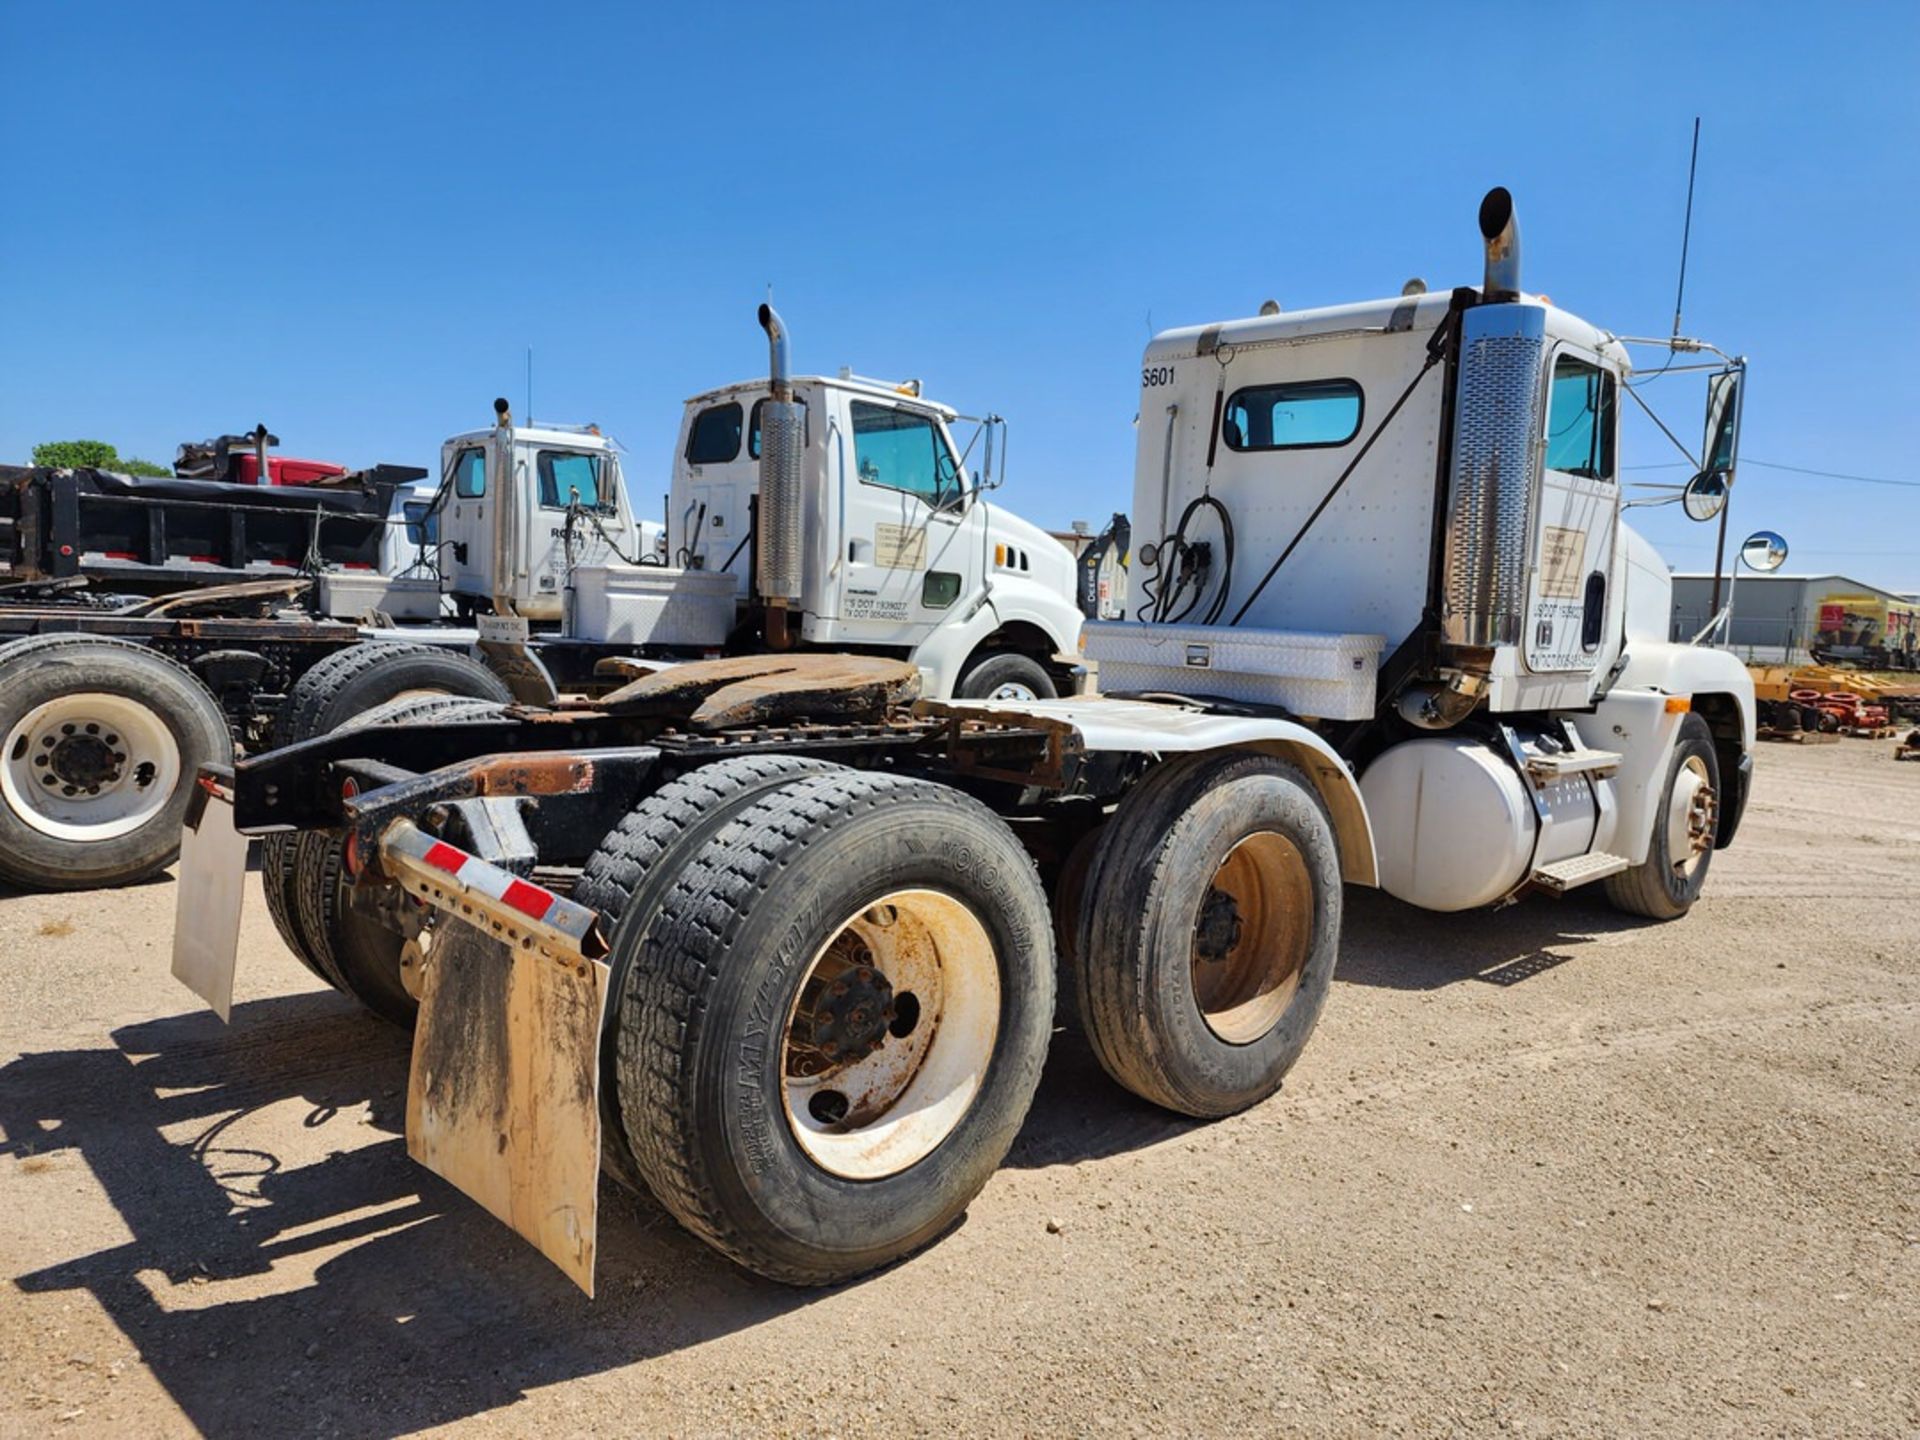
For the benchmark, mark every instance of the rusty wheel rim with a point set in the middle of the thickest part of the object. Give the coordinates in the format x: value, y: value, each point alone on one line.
x: 1251, y: 937
x: 890, y: 1034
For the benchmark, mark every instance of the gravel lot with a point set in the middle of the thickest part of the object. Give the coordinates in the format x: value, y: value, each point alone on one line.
x: 1548, y: 1171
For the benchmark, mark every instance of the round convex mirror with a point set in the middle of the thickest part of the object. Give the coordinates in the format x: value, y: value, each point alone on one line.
x: 1705, y: 494
x: 1764, y: 551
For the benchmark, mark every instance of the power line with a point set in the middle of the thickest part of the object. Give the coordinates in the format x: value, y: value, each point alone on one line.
x: 1797, y: 470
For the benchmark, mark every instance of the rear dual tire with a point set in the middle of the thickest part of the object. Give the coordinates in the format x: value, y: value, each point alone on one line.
x: 803, y: 1158
x: 1208, y: 932
x: 336, y: 933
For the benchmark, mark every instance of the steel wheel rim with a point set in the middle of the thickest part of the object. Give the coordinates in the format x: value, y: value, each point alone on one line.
x: 89, y: 766
x: 1692, y: 815
x: 867, y: 1114
x: 1251, y: 937
x: 1013, y: 690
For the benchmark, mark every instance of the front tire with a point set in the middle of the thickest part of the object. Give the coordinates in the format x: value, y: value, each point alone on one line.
x: 834, y: 1027
x: 99, y: 743
x: 1006, y: 676
x: 1685, y: 826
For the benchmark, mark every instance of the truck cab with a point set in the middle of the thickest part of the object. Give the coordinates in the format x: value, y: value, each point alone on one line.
x: 524, y: 505
x: 902, y: 552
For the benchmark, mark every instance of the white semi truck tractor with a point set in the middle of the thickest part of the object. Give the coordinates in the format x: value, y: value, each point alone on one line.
x: 779, y: 939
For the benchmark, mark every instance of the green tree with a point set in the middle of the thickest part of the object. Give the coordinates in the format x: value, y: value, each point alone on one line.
x: 97, y: 454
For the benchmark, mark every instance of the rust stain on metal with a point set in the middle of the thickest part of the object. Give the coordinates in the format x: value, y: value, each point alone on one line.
x: 503, y: 1099
x: 533, y: 774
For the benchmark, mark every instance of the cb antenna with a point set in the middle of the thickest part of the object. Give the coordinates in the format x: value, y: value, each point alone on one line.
x: 1686, y: 232
x: 530, y: 380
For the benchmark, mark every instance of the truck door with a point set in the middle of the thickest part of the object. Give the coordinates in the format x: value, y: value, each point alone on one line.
x: 907, y: 548
x: 557, y: 475
x: 466, y: 521
x: 1578, y: 511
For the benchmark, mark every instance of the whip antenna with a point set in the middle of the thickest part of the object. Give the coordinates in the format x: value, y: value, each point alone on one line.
x: 1686, y: 232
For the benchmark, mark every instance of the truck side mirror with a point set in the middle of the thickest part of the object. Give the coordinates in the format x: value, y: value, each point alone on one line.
x: 1705, y: 495
x: 1764, y: 551
x: 1719, y: 447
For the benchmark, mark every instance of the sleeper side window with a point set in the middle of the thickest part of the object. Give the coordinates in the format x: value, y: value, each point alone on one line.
x: 1293, y: 415
x: 714, y: 438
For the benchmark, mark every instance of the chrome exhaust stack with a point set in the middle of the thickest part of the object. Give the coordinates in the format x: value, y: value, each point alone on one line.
x: 1496, y: 455
x: 782, y: 443
x: 1501, y: 231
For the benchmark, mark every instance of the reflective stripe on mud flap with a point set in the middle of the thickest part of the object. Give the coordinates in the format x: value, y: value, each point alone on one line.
x: 504, y: 1096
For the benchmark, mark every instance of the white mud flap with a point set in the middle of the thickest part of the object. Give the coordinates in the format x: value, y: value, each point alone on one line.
x: 207, y: 899
x: 504, y: 1099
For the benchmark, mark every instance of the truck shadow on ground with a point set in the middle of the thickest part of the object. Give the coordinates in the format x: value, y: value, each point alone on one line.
x: 1400, y: 947
x: 423, y: 1309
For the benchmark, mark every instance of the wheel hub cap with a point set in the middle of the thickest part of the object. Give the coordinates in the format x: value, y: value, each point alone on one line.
x: 84, y: 758
x: 844, y: 1012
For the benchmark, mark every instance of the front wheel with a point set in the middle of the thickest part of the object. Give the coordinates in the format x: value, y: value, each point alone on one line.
x: 1665, y: 885
x: 1006, y: 676
x: 832, y: 1030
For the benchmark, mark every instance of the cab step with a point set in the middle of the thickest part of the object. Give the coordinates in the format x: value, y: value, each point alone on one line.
x: 1564, y: 875
x: 1597, y: 763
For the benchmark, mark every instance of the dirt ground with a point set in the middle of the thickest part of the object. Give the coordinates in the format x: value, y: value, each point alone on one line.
x: 1548, y: 1171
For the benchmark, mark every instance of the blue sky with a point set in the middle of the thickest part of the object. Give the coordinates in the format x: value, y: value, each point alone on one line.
x: 351, y: 221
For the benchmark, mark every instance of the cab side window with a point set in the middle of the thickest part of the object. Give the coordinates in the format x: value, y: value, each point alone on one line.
x: 1580, y: 420
x: 564, y: 475
x: 470, y: 474
x: 903, y: 450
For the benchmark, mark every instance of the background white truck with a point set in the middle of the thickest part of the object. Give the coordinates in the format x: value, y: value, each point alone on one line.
x: 524, y: 573
x: 777, y: 942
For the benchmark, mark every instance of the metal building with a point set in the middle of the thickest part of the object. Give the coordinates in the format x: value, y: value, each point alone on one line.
x: 1774, y: 616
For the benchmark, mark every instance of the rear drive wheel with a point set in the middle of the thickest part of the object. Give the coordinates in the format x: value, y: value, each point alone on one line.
x: 354, y: 936
x: 1209, y: 932
x: 99, y: 741
x: 834, y: 1026
x: 353, y: 681
x: 627, y: 875
x: 1006, y: 676
x: 1665, y: 885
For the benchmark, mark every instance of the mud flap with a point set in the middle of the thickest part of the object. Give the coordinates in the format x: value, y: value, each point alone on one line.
x: 208, y: 896
x: 503, y: 1100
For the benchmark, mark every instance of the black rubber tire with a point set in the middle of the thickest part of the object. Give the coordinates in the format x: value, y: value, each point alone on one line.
x: 356, y: 681
x: 277, y: 851
x: 1005, y: 667
x: 352, y: 951
x: 699, y: 1078
x: 36, y: 671
x: 627, y: 876
x: 1653, y: 888
x: 1148, y: 877
x: 351, y: 681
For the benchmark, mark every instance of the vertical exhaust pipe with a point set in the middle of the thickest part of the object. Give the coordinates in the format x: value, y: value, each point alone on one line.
x: 1496, y: 455
x: 1501, y: 231
x: 782, y: 443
